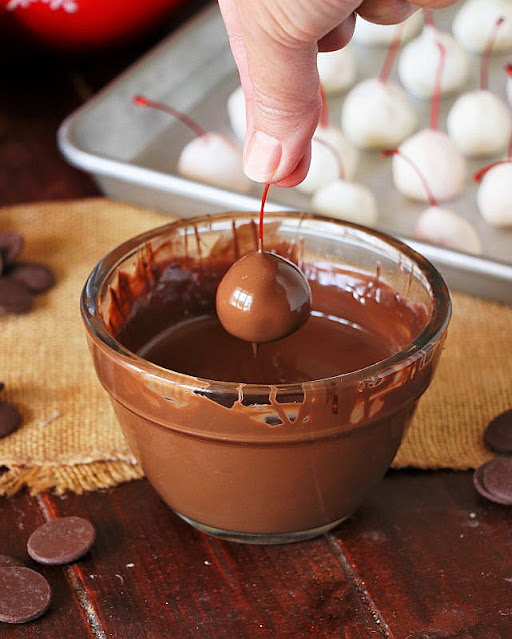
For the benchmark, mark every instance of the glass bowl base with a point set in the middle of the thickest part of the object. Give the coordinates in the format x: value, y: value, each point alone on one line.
x: 263, y: 538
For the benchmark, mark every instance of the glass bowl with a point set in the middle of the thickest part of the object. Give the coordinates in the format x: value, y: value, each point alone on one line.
x: 276, y: 462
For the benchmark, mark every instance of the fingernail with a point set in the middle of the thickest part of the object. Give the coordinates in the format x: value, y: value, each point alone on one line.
x: 262, y: 157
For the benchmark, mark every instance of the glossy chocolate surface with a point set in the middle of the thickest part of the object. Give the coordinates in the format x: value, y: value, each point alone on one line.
x: 262, y: 298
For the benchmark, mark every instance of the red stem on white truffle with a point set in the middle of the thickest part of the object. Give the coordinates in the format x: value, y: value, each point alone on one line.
x: 436, y: 94
x: 141, y: 100
x: 337, y: 156
x: 480, y: 174
x: 508, y: 69
x: 431, y: 199
x: 429, y: 17
x: 391, y: 54
x: 508, y: 160
x: 487, y: 52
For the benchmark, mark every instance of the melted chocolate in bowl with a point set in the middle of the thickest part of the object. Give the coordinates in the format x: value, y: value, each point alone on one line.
x: 328, y: 345
x: 284, y: 445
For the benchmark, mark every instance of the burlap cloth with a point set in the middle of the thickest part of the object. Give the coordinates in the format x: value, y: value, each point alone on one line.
x: 70, y: 439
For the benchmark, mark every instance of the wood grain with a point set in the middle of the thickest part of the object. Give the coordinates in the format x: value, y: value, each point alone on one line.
x: 150, y: 573
x: 434, y: 557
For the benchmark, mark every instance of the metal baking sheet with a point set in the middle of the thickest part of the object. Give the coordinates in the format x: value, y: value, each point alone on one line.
x: 132, y: 152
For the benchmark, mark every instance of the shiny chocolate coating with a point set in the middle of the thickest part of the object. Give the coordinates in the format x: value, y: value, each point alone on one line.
x: 262, y: 298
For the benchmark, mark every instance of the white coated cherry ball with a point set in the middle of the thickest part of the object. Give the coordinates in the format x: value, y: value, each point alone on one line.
x: 215, y: 159
x: 479, y: 123
x: 347, y: 201
x: 444, y: 227
x: 337, y: 69
x: 494, y: 195
x: 419, y: 62
x: 475, y: 20
x: 329, y: 149
x: 211, y: 157
x: 437, y: 159
x: 377, y: 115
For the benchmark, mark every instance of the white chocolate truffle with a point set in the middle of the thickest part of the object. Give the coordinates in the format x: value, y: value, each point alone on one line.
x: 479, y: 123
x: 337, y: 69
x: 215, y: 159
x: 377, y: 115
x: 437, y: 159
x: 475, y: 20
x: 347, y: 201
x: 371, y: 34
x: 326, y: 158
x: 446, y: 228
x: 494, y: 195
x: 509, y: 90
x: 419, y: 62
x: 236, y: 113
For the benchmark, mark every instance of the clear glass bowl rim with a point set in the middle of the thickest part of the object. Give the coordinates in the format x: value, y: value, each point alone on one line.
x: 429, y: 336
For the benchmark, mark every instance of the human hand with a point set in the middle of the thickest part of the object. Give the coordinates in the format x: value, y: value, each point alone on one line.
x: 275, y: 45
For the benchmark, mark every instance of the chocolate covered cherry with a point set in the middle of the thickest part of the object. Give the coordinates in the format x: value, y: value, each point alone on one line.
x: 263, y: 297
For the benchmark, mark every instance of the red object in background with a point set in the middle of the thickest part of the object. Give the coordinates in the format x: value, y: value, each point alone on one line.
x: 83, y: 25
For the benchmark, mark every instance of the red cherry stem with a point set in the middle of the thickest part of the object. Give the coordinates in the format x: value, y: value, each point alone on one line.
x: 436, y: 94
x: 480, y: 174
x: 142, y: 101
x: 508, y: 69
x: 260, y: 233
x: 429, y: 18
x: 431, y: 199
x: 391, y: 54
x: 337, y: 156
x: 324, y: 115
x: 486, y: 55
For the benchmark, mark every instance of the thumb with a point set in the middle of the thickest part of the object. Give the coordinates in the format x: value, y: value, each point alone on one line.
x: 274, y: 43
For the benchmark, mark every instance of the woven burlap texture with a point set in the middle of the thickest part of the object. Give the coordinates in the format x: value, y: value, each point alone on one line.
x: 70, y: 439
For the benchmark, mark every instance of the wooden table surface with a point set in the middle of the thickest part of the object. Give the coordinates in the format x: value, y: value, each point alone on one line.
x: 424, y: 558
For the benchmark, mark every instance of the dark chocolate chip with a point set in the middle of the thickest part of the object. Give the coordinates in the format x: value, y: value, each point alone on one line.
x: 498, y: 434
x: 36, y: 277
x: 10, y: 419
x: 478, y: 482
x: 24, y: 594
x: 493, y: 480
x: 14, y: 297
x: 61, y: 540
x: 497, y: 478
x: 7, y: 561
x: 11, y: 245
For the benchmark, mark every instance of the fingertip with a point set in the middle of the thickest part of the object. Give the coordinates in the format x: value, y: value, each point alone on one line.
x: 277, y: 150
x: 262, y: 155
x: 299, y: 173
